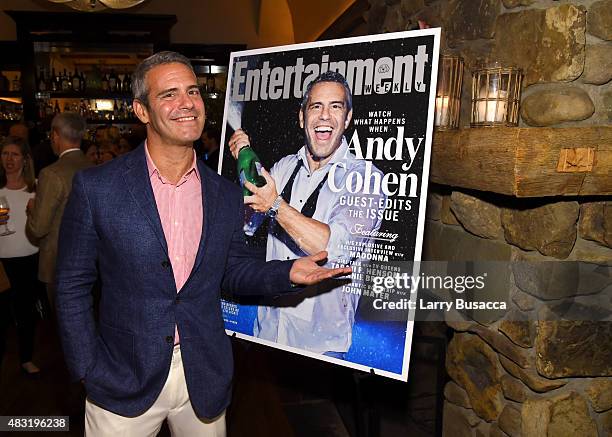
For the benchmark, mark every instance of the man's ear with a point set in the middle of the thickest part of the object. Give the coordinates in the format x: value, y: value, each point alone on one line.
x: 141, y: 111
x: 301, y: 117
x: 348, y: 119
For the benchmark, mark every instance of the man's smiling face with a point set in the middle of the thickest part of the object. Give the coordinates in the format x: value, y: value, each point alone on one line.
x: 175, y: 113
x: 324, y: 119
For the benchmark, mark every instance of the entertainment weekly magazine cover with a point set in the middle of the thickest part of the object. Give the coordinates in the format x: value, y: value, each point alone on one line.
x: 371, y: 192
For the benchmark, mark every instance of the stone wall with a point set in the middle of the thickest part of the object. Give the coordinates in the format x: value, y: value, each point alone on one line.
x: 538, y: 369
x: 564, y: 49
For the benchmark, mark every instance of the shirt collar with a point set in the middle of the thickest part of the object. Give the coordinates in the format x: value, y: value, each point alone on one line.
x: 152, y: 168
x: 337, y: 156
x: 68, y: 151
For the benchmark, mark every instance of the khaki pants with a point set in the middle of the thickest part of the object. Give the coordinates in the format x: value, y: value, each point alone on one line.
x: 172, y: 404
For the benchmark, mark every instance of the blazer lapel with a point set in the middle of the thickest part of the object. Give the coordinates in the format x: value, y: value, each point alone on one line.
x: 210, y: 191
x: 139, y: 185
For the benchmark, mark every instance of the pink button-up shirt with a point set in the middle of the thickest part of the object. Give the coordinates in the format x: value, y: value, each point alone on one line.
x: 180, y: 211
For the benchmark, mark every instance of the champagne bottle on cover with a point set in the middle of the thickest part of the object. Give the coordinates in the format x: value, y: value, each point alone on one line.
x: 249, y: 169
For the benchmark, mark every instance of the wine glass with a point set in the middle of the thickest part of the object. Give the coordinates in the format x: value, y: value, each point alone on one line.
x: 4, y: 209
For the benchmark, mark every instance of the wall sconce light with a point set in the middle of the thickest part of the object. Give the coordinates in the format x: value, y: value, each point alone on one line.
x: 448, y: 94
x: 496, y: 93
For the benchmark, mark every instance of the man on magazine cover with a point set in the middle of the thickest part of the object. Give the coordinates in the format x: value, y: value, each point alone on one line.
x: 305, y: 199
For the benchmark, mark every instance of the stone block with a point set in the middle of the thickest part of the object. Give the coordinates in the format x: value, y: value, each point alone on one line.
x: 452, y: 243
x: 599, y: 393
x: 434, y: 206
x: 591, y: 252
x: 595, y: 221
x: 550, y: 228
x: 513, y: 389
x: 530, y: 377
x: 455, y: 422
x: 477, y: 216
x: 548, y: 44
x: 518, y: 328
x: 598, y: 64
x: 553, y: 106
x: 600, y: 20
x: 411, y: 7
x: 456, y: 395
x: 457, y: 321
x: 573, y: 348
x: 446, y: 215
x: 523, y: 300
x: 394, y: 21
x: 606, y: 101
x: 516, y: 3
x: 551, y: 280
x: 501, y: 344
x: 471, y: 19
x: 565, y: 415
x: 375, y: 17
x: 509, y: 421
x: 473, y: 365
x: 606, y: 423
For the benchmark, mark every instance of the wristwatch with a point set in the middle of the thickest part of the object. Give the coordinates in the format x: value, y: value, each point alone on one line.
x: 273, y: 211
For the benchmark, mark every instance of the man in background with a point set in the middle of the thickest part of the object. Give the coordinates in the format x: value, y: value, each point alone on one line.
x: 207, y: 147
x: 54, y: 185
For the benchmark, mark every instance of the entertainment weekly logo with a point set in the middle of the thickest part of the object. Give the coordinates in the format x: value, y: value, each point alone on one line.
x: 400, y: 74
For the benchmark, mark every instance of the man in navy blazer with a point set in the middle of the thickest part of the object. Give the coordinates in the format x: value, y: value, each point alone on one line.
x: 159, y: 350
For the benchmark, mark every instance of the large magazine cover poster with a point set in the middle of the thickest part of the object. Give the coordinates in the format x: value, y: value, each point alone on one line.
x: 339, y: 134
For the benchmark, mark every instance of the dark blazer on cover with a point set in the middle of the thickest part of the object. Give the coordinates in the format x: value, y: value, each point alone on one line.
x: 111, y: 225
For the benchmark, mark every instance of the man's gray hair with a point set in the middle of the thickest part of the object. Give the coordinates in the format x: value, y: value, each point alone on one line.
x: 329, y: 76
x: 139, y: 84
x: 70, y: 126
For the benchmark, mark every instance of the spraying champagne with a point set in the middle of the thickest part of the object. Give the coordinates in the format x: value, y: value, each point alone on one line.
x: 248, y: 168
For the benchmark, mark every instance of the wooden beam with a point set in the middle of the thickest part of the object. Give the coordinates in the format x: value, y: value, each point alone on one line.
x: 526, y: 162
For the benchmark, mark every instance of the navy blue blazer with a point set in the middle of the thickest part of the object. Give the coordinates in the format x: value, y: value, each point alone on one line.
x: 111, y: 226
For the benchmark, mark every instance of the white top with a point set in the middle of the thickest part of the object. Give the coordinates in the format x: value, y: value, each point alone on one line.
x: 16, y: 244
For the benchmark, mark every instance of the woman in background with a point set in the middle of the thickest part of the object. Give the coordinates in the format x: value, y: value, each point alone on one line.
x: 17, y: 253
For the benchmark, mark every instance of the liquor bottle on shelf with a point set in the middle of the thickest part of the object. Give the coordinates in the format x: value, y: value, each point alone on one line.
x: 112, y: 82
x: 127, y: 84
x: 105, y: 82
x: 65, y: 85
x: 210, y: 83
x: 54, y: 80
x: 56, y: 108
x: 48, y: 109
x: 123, y: 111
x: 76, y: 81
x: 16, y: 83
x: 41, y: 84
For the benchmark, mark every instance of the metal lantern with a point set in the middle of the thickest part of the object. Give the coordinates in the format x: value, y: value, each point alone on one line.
x: 496, y: 93
x: 448, y: 94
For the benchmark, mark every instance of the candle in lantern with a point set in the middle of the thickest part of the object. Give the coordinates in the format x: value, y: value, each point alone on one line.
x: 441, y: 111
x: 493, y: 109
